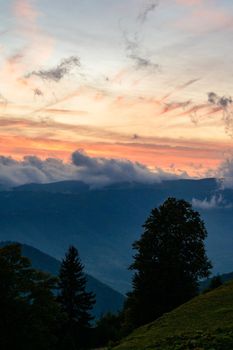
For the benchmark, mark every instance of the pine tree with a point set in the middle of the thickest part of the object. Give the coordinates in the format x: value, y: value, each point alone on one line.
x: 75, y: 301
x: 170, y: 260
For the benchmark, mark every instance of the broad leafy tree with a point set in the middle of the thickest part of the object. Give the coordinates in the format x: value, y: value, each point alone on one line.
x: 170, y: 259
x: 29, y: 311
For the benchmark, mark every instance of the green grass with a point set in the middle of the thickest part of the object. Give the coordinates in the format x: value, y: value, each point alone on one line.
x: 204, y: 323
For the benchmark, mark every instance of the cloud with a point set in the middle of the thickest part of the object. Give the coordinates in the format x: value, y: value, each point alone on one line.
x: 143, y: 62
x: 180, y: 88
x: 24, y: 10
x: 38, y: 92
x: 3, y: 101
x: 224, y: 103
x: 214, y: 202
x: 95, y: 171
x: 59, y: 72
x: 150, y: 6
x: 225, y: 173
x: 133, y: 41
x: 133, y: 46
x: 103, y: 170
x: 204, y: 16
x: 168, y: 107
x: 40, y: 45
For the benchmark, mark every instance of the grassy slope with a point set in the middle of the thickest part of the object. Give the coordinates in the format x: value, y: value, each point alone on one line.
x: 205, y: 322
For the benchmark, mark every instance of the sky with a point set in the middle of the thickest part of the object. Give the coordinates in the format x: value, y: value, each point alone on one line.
x: 142, y: 82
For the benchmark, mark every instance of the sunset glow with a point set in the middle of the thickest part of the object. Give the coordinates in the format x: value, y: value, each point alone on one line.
x: 149, y: 81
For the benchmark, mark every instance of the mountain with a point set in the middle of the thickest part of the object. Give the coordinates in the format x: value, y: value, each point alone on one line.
x: 104, y: 222
x: 74, y: 187
x: 204, y: 323
x: 107, y: 299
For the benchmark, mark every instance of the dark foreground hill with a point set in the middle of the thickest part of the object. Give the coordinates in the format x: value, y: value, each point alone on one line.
x: 204, y: 323
x: 107, y: 299
x: 103, y: 223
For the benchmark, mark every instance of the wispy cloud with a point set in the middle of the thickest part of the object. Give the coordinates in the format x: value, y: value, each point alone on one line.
x: 180, y: 87
x: 133, y: 40
x: 225, y: 173
x: 24, y: 10
x: 148, y: 7
x: 56, y: 74
x: 171, y: 106
x: 133, y: 46
x: 27, y: 25
x: 3, y: 101
x: 214, y: 202
x: 204, y: 16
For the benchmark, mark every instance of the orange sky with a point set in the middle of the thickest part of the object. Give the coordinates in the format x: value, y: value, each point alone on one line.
x: 138, y: 91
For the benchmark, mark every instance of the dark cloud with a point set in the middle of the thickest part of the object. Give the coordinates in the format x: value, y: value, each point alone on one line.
x: 148, y: 7
x: 38, y: 92
x: 58, y: 73
x: 96, y: 171
x: 102, y: 171
x: 136, y: 137
x: 225, y: 103
x: 143, y: 62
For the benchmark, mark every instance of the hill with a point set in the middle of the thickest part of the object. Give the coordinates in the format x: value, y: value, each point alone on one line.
x: 204, y: 323
x: 103, y: 223
x: 107, y: 299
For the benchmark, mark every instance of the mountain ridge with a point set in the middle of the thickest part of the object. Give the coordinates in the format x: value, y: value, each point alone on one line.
x: 103, y: 223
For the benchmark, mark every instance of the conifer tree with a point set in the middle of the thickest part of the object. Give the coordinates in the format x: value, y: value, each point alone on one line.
x: 75, y: 300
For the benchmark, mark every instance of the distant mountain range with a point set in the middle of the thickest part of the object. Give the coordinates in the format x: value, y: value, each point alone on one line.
x: 103, y: 223
x: 107, y: 299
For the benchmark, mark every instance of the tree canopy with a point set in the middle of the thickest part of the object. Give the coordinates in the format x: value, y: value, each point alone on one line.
x: 29, y: 312
x: 170, y: 259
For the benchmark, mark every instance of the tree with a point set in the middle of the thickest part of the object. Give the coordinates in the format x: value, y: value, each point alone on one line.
x: 29, y: 311
x: 75, y: 301
x: 214, y: 283
x: 170, y: 260
x: 108, y: 330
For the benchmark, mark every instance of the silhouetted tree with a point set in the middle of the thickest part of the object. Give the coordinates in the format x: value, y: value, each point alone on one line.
x: 108, y: 329
x: 170, y: 260
x: 75, y: 301
x: 29, y: 311
x: 215, y: 282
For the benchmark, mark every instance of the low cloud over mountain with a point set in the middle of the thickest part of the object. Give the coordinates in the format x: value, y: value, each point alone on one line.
x: 214, y: 202
x: 96, y: 171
